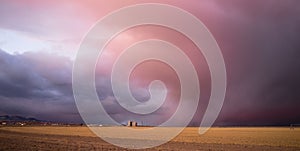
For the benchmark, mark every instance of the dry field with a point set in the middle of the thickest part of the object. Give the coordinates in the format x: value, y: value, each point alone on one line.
x: 80, y: 138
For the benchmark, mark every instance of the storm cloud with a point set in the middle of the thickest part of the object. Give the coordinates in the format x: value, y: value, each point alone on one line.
x: 36, y: 84
x: 259, y: 41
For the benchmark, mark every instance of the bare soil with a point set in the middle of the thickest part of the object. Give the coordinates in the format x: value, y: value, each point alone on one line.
x: 80, y: 138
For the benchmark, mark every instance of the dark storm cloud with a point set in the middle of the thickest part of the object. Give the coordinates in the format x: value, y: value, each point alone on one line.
x: 37, y: 84
x: 259, y: 40
x: 18, y: 79
x: 260, y: 43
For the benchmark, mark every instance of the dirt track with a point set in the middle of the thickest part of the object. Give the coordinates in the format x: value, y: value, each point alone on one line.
x: 17, y: 139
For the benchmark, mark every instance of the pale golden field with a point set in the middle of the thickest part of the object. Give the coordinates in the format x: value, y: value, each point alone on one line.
x: 81, y: 138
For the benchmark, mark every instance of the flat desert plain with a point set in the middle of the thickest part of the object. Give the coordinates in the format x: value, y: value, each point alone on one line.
x: 81, y: 138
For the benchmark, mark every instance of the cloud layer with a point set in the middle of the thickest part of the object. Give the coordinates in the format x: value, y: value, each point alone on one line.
x: 259, y: 41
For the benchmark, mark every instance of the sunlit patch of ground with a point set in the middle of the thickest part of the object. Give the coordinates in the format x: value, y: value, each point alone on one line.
x: 74, y: 138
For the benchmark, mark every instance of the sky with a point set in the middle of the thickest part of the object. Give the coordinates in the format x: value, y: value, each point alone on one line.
x: 259, y: 41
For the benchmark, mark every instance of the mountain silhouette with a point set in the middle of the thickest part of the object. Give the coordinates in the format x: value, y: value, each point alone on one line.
x: 17, y: 118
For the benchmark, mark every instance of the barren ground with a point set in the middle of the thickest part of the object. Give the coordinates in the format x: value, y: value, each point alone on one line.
x: 80, y: 138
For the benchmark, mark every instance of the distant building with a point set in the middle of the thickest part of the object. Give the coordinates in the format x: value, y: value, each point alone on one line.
x: 20, y: 123
x: 132, y: 124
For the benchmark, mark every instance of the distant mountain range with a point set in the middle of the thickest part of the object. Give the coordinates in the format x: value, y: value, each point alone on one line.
x: 18, y: 118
